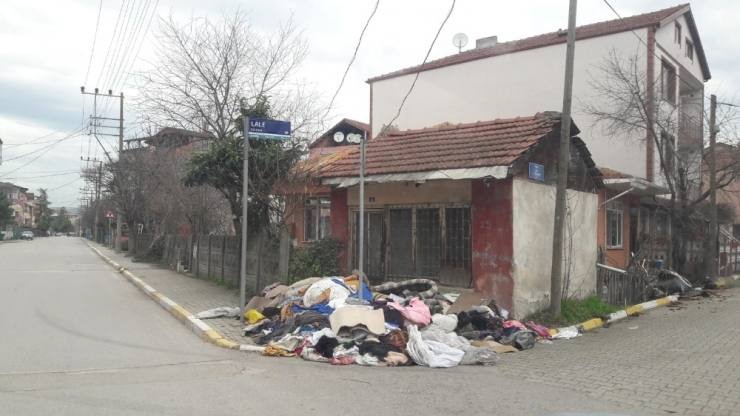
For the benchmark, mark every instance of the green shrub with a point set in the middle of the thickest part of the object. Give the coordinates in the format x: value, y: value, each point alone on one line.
x: 316, y: 259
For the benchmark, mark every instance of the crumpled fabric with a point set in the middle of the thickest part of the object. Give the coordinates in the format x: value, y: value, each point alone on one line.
x: 275, y: 351
x: 218, y: 312
x: 368, y: 360
x: 480, y: 356
x: 311, y: 354
x: 316, y: 336
x: 522, y: 340
x: 567, y: 333
x: 319, y: 307
x: 540, y: 330
x: 448, y: 323
x: 315, y: 291
x: 417, y: 312
x: 253, y: 316
x: 448, y: 338
x: 431, y: 353
x: 514, y: 324
x: 342, y: 360
x: 394, y: 359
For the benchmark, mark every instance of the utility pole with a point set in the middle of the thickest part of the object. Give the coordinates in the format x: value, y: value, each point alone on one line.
x: 556, y: 286
x: 245, y: 211
x: 712, y: 272
x: 119, y: 214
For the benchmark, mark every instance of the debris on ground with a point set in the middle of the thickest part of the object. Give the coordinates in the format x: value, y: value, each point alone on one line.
x: 393, y: 324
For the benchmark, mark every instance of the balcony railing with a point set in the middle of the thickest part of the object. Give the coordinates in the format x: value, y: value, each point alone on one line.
x: 691, y: 127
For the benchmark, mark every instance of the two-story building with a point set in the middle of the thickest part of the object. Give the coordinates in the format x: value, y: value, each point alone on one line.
x: 17, y: 196
x: 510, y: 78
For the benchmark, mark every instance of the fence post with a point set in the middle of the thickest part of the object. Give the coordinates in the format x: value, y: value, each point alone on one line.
x: 208, y: 274
x: 223, y: 255
x: 599, y: 285
x: 284, y: 259
x: 189, y: 253
x: 197, y: 255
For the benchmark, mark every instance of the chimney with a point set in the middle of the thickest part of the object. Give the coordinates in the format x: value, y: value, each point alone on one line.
x: 486, y: 42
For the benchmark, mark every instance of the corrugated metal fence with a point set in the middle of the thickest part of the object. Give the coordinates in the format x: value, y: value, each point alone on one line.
x: 219, y: 257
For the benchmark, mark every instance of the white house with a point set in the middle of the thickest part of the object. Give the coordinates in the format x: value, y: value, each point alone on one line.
x: 516, y: 77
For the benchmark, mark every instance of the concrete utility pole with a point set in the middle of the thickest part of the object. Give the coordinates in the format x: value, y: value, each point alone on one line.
x: 556, y: 285
x: 119, y: 214
x: 712, y: 272
x: 245, y: 211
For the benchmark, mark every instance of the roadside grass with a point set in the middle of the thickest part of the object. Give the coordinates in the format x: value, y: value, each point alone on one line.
x: 573, y: 311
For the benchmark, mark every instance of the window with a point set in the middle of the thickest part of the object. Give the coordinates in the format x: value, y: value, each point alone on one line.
x: 690, y: 50
x: 614, y: 219
x: 668, y: 82
x: 667, y: 144
x: 645, y: 218
x: 661, y: 225
x: 677, y: 34
x: 317, y: 219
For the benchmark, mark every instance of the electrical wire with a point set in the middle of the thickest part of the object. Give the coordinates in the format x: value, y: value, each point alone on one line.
x: 420, y: 68
x: 95, y: 38
x: 75, y: 134
x: 54, y: 143
x: 66, y: 184
x: 133, y: 40
x: 354, y: 55
x: 11, y: 145
x: 119, y: 41
x: 115, y: 31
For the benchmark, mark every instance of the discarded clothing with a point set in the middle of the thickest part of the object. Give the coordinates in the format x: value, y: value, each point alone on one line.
x: 325, y: 346
x: 393, y: 316
x: 448, y: 323
x: 480, y: 356
x: 377, y: 349
x: 431, y: 353
x: 323, y: 308
x: 495, y: 346
x: 476, y: 335
x: 424, y: 288
x: 289, y: 342
x: 351, y: 285
x: 394, y: 359
x: 343, y: 360
x: 368, y: 360
x: 522, y: 340
x: 397, y: 338
x: 268, y: 288
x: 275, y: 351
x: 314, y: 292
x: 567, y: 333
x: 514, y: 324
x: 353, y: 321
x: 507, y: 332
x: 218, y: 312
x: 253, y: 316
x: 291, y: 324
x: 540, y: 330
x: 450, y: 339
x: 316, y: 336
x: 271, y: 312
x: 416, y: 312
x: 311, y: 354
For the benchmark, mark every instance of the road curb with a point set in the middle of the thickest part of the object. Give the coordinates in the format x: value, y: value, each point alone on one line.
x: 592, y: 324
x: 195, y: 325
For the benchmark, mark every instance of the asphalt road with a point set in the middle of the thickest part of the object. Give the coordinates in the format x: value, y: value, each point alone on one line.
x: 78, y: 339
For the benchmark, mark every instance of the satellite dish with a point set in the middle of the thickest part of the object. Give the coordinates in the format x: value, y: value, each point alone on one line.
x: 339, y: 137
x: 356, y: 138
x: 460, y: 40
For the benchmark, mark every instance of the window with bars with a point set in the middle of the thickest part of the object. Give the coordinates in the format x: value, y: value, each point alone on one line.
x: 614, y: 224
x: 317, y: 218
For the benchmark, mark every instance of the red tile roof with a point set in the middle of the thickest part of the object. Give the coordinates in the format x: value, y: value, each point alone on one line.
x: 492, y: 143
x: 614, y: 174
x: 548, y: 39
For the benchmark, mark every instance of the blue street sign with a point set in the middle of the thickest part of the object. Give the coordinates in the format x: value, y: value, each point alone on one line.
x: 536, y: 172
x: 269, y: 129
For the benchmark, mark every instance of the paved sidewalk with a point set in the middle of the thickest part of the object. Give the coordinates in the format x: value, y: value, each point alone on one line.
x: 191, y: 293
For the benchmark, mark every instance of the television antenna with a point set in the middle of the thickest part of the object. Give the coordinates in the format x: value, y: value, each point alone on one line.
x: 460, y: 40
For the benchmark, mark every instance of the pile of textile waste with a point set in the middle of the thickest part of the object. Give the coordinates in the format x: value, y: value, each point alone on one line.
x: 394, y: 324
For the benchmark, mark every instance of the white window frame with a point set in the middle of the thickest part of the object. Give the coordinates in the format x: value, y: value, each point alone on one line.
x: 677, y: 34
x: 690, y: 50
x: 614, y: 208
x: 314, y: 206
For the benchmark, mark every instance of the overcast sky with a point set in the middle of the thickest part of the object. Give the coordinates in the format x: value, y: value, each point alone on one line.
x: 46, y: 47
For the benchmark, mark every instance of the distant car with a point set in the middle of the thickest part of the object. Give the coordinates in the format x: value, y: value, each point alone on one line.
x: 70, y: 234
x: 58, y: 234
x: 27, y: 235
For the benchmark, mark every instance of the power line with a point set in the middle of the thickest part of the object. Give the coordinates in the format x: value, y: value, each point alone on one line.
x: 132, y: 41
x: 46, y: 176
x: 420, y: 67
x: 357, y: 48
x: 121, y: 40
x: 66, y: 184
x: 115, y: 30
x: 75, y: 134
x: 54, y: 143
x: 10, y: 145
x: 95, y: 38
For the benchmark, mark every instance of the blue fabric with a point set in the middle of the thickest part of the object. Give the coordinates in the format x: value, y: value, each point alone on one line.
x: 366, y: 293
x: 322, y: 308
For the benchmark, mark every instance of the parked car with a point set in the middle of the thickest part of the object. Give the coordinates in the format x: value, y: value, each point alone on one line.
x: 27, y: 235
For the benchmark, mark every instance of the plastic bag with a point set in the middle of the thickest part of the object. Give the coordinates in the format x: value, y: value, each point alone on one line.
x: 450, y: 339
x: 480, y: 356
x: 522, y: 340
x: 253, y: 316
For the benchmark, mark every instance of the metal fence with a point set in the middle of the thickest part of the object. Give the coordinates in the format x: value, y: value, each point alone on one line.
x: 621, y: 287
x: 219, y: 257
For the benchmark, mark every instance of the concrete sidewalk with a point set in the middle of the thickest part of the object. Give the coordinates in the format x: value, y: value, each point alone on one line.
x: 191, y: 293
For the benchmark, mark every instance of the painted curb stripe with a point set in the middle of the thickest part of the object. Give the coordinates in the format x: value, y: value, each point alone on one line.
x: 597, y: 323
x: 195, y: 325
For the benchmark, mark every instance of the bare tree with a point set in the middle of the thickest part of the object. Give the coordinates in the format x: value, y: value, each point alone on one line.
x: 630, y: 107
x: 204, y: 69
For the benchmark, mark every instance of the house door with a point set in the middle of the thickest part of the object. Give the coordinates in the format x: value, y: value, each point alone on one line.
x: 373, y: 250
